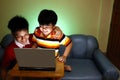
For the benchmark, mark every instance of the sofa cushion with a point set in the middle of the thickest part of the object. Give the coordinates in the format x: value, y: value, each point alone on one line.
x: 82, y: 69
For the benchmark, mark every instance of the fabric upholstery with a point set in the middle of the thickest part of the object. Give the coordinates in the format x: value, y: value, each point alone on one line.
x: 6, y: 40
x: 88, y: 62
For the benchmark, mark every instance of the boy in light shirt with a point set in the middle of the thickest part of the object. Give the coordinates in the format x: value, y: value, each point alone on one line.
x: 48, y: 35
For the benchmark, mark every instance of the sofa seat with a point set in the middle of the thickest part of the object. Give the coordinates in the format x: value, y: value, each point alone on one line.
x: 82, y: 69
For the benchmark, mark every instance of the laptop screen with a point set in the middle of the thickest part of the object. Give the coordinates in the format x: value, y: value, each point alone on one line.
x: 35, y: 58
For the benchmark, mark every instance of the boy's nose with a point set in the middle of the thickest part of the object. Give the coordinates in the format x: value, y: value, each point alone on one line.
x: 22, y: 37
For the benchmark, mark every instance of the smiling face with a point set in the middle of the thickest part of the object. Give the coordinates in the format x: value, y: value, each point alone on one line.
x: 46, y: 29
x: 22, y: 36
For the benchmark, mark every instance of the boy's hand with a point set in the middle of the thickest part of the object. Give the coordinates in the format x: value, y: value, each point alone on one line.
x: 62, y: 58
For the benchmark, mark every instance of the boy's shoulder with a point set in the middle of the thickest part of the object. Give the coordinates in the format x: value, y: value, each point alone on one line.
x: 56, y: 28
x: 11, y: 46
x: 57, y: 33
x: 37, y: 31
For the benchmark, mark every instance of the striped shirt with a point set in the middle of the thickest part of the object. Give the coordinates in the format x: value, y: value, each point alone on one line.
x: 50, y: 41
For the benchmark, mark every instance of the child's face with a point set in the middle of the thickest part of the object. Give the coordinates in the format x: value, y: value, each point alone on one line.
x: 22, y: 36
x: 46, y: 29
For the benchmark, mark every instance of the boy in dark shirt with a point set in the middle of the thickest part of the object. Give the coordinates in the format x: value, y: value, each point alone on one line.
x: 19, y: 29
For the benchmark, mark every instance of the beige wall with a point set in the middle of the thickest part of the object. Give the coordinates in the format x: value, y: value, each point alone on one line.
x: 104, y: 23
x: 90, y: 17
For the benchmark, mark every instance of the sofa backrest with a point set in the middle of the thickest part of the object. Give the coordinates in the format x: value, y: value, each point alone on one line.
x: 7, y: 39
x: 83, y: 46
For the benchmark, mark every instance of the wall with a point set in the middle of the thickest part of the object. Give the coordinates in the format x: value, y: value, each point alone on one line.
x: 90, y: 17
x: 104, y: 23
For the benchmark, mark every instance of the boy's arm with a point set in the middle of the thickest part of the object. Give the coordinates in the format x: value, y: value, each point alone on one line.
x: 66, y: 53
x: 59, y: 34
x: 67, y: 50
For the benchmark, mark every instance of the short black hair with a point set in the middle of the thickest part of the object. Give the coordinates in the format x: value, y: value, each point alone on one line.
x: 47, y: 17
x: 18, y: 23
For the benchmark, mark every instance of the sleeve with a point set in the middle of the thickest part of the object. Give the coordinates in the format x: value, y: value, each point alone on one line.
x: 8, y: 57
x: 65, y: 40
x: 35, y: 34
x: 33, y: 38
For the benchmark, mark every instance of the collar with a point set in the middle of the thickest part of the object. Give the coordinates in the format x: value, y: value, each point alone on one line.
x: 21, y: 45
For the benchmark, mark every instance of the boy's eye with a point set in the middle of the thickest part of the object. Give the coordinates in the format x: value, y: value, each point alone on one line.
x: 25, y: 36
x: 46, y: 26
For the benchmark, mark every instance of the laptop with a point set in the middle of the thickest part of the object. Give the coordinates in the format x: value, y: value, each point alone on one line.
x: 35, y: 59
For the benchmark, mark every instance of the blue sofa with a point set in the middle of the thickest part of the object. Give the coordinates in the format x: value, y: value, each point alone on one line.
x: 86, y: 59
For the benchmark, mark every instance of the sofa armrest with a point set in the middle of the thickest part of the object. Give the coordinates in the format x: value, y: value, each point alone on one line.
x: 108, y: 70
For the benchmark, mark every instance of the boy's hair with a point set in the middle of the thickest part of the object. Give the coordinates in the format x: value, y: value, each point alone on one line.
x: 46, y: 17
x: 17, y: 23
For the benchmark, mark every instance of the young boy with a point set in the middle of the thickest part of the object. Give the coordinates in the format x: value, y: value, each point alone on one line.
x: 19, y: 29
x: 47, y: 35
